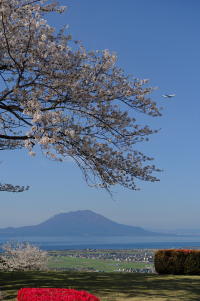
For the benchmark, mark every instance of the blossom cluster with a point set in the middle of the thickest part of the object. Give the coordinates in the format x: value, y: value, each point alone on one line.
x: 11, y: 188
x: 54, y: 294
x: 22, y: 257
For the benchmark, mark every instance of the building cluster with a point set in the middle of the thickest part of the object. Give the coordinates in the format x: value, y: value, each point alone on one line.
x: 132, y: 270
x: 142, y: 255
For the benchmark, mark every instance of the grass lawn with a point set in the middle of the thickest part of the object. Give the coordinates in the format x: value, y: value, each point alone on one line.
x: 107, y: 286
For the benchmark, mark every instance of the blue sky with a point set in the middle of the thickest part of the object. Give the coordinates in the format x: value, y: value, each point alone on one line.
x: 153, y: 39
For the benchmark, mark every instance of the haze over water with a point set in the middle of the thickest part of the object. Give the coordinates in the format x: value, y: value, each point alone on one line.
x: 117, y: 242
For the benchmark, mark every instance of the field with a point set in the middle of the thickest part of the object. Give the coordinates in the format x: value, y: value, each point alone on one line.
x: 101, y: 260
x: 98, y: 265
x: 107, y: 286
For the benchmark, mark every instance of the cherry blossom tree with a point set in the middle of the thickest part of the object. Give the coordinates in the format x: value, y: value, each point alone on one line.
x: 22, y: 257
x: 70, y: 101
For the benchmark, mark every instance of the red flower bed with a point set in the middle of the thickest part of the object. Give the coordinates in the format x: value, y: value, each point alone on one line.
x: 54, y: 294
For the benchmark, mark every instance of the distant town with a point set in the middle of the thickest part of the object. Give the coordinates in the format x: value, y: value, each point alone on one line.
x: 140, y: 260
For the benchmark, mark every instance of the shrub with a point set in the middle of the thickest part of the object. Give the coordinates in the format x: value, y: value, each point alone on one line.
x: 54, y: 294
x: 192, y: 263
x: 177, y: 262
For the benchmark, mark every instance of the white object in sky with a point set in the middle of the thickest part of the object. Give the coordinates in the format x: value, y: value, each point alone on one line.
x: 168, y: 95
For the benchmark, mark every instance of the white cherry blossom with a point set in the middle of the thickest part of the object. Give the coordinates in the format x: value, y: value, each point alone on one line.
x: 22, y: 257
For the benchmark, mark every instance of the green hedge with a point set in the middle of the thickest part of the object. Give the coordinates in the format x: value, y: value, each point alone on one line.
x: 177, y: 262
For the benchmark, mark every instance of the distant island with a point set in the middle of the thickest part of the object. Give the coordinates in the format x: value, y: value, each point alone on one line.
x: 77, y: 223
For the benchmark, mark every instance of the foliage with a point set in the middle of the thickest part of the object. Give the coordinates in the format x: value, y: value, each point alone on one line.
x: 22, y: 257
x: 182, y: 262
x: 192, y: 263
x: 54, y: 294
x: 70, y: 102
x: 12, y: 188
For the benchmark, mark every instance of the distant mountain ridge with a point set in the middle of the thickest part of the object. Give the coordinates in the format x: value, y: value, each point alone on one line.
x: 77, y: 223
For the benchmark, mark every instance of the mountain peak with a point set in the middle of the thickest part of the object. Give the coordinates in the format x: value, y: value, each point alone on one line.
x: 78, y: 223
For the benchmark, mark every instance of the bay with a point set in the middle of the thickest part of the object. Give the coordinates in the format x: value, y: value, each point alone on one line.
x: 117, y: 242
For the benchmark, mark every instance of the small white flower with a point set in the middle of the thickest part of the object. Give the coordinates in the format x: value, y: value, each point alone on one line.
x: 72, y: 133
x: 43, y: 37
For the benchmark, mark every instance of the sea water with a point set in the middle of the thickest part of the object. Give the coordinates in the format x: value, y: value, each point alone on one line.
x: 114, y: 242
